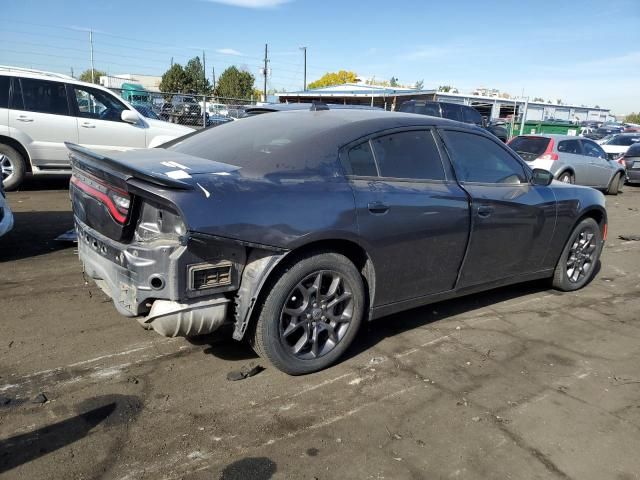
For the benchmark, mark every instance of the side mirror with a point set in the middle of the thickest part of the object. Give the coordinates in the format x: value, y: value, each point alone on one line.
x: 485, y: 122
x: 129, y: 116
x: 541, y: 177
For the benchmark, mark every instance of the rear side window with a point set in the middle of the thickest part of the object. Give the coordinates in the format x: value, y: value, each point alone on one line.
x: 634, y: 150
x: 479, y: 159
x: 471, y: 115
x: 43, y: 96
x: 570, y: 146
x: 451, y: 111
x: 360, y: 161
x: 411, y: 154
x: 4, y: 92
x: 624, y: 140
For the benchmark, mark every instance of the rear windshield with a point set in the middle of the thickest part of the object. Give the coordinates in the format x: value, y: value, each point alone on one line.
x: 422, y: 108
x: 634, y: 150
x: 529, y: 147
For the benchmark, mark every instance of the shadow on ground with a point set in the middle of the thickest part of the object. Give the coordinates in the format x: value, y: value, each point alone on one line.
x: 255, y: 468
x: 26, y: 447
x: 34, y: 233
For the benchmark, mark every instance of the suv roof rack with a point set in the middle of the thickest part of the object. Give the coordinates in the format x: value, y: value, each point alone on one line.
x: 318, y: 106
x: 8, y: 68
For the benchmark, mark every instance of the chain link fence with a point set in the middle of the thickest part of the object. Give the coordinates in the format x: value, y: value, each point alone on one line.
x: 197, y: 111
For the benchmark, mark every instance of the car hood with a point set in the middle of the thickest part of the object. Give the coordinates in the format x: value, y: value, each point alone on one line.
x: 165, y: 128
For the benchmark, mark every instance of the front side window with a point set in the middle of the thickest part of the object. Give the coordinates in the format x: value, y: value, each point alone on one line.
x: 452, y: 112
x: 592, y: 149
x: 411, y: 154
x: 43, y: 96
x: 479, y: 159
x: 96, y: 104
x: 360, y: 161
x: 624, y: 140
x: 569, y: 146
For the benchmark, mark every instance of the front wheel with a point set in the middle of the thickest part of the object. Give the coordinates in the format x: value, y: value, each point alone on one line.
x: 577, y: 264
x: 311, y: 314
x: 12, y: 167
x: 616, y: 185
x: 566, y: 177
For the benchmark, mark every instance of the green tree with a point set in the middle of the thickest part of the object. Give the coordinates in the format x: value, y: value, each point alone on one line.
x: 86, y: 75
x: 234, y: 83
x: 632, y: 118
x: 174, y: 79
x: 330, y: 79
x: 538, y: 99
x: 394, y: 82
x: 419, y: 85
x: 196, y: 79
x: 445, y: 88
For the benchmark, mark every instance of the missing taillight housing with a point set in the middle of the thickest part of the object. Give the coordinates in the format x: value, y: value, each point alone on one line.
x: 549, y: 154
x: 118, y: 202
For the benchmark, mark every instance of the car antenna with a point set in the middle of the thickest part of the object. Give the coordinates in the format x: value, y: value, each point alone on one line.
x: 318, y: 106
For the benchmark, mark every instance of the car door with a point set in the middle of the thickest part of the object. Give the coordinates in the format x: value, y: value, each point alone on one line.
x: 99, y: 123
x: 41, y: 120
x: 413, y: 217
x: 600, y: 168
x: 571, y: 153
x: 512, y: 221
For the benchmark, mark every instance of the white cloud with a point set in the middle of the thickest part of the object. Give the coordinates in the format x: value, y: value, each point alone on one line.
x: 252, y: 3
x: 228, y: 51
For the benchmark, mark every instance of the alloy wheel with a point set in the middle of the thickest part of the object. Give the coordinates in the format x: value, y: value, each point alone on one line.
x: 6, y: 167
x: 581, y: 255
x: 316, y: 315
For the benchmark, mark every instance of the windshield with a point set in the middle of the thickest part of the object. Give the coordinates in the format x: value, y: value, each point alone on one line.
x: 529, y: 148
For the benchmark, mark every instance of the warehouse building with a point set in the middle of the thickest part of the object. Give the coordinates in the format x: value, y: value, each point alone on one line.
x: 491, y: 106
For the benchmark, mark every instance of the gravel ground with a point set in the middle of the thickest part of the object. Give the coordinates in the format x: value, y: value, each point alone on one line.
x: 520, y: 382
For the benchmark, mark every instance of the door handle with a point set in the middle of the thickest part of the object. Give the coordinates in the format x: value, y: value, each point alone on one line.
x: 24, y: 118
x: 485, y: 211
x: 378, y: 208
x: 88, y: 125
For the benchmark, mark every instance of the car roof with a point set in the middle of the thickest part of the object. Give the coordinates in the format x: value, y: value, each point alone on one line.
x: 284, y: 107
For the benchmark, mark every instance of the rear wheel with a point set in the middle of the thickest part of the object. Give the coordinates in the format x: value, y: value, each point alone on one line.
x: 566, y: 177
x: 12, y: 167
x: 311, y: 314
x: 579, y: 258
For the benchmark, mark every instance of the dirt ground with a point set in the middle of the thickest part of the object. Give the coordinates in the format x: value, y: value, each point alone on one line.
x: 518, y: 383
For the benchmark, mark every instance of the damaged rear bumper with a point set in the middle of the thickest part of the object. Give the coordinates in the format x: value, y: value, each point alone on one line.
x: 126, y: 274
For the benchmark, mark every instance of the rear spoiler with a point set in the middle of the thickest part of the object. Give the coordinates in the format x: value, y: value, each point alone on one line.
x: 128, y: 170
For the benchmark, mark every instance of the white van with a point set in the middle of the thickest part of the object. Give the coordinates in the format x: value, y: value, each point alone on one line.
x: 39, y: 111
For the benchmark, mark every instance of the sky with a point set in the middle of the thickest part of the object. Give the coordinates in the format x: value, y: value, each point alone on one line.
x: 585, y: 52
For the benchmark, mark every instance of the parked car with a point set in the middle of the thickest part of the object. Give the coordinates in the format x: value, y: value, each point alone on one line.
x: 454, y: 111
x: 184, y: 109
x: 571, y: 160
x: 216, y: 120
x: 253, y: 110
x: 616, y: 145
x: 602, y: 132
x: 6, y: 217
x: 39, y: 111
x: 631, y: 159
x: 297, y: 226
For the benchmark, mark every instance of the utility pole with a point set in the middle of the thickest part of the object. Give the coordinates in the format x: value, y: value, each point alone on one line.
x: 204, y: 69
x: 213, y: 75
x: 91, y: 45
x: 172, y: 61
x: 72, y: 73
x: 304, y: 49
x: 266, y: 61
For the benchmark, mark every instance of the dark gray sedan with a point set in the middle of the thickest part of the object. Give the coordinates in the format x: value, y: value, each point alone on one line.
x: 295, y: 227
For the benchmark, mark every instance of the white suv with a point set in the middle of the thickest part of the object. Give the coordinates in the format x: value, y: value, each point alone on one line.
x: 39, y: 111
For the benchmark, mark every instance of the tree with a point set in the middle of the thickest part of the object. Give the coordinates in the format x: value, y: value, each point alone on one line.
x: 538, y: 99
x: 444, y: 88
x: 394, y: 82
x: 257, y: 93
x: 86, y: 75
x: 174, y: 79
x: 196, y: 79
x: 559, y: 101
x: 330, y: 79
x: 419, y: 85
x: 631, y: 118
x: 234, y: 83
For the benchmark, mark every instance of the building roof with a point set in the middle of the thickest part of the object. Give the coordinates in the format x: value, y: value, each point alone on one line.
x: 491, y: 99
x: 355, y: 90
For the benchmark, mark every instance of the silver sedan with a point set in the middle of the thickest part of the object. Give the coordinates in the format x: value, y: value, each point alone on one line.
x: 571, y: 160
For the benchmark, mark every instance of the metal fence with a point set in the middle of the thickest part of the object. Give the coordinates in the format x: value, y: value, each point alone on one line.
x: 184, y: 108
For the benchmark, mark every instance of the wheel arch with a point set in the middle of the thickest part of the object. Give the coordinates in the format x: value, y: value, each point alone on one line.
x: 13, y: 143
x: 254, y: 289
x: 567, y: 169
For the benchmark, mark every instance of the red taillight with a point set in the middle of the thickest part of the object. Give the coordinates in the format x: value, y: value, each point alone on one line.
x: 116, y: 201
x: 548, y: 153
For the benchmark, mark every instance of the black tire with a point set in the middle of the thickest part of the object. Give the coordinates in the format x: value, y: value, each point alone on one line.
x: 566, y: 177
x: 14, y: 161
x: 616, y: 185
x: 270, y: 339
x: 564, y: 277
